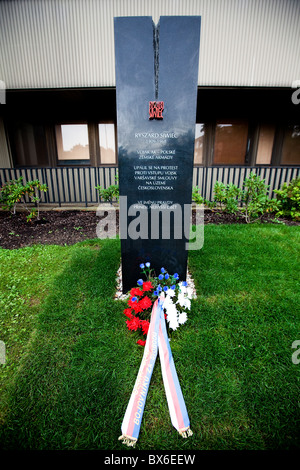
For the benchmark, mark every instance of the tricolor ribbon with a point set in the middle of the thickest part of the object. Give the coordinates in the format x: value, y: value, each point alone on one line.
x: 157, y: 340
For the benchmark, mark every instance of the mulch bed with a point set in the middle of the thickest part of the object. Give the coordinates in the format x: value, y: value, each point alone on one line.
x: 69, y: 227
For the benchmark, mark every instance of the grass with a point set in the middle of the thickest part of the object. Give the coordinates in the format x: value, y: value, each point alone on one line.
x: 71, y: 363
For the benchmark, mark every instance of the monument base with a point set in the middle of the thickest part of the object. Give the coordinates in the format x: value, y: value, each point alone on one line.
x: 119, y: 295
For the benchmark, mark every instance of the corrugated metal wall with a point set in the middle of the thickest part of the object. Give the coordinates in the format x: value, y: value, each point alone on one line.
x: 77, y: 185
x: 69, y: 43
x: 206, y: 177
x: 65, y: 185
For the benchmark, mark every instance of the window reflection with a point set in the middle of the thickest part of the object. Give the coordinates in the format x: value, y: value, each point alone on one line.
x: 107, y: 143
x: 291, y: 146
x: 265, y: 145
x: 72, y: 142
x: 199, y: 141
x: 230, y: 143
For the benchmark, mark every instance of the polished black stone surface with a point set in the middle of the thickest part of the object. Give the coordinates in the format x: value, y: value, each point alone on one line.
x: 155, y: 63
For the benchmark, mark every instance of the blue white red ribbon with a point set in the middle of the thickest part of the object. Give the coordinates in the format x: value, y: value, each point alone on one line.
x: 157, y: 340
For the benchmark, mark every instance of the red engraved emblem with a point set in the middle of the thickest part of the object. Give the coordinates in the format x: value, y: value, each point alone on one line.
x: 155, y: 109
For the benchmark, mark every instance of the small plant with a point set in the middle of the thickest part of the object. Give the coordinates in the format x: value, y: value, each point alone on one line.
x: 196, y: 196
x: 14, y: 192
x: 255, y: 199
x: 108, y: 194
x: 288, y: 198
x: 226, y: 197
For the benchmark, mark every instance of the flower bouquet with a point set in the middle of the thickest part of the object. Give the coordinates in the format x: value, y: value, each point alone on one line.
x: 177, y: 300
x: 157, y: 303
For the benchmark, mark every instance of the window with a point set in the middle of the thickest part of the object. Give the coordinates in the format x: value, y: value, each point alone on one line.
x: 265, y: 144
x: 79, y: 144
x: 28, y: 143
x: 291, y: 146
x: 107, y: 144
x: 230, y: 143
x: 72, y: 143
x: 199, y: 141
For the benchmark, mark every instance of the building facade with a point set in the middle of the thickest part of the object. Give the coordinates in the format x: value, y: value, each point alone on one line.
x: 58, y: 123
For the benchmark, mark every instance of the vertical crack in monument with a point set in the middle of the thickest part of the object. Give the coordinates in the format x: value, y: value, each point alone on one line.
x: 156, y: 56
x: 156, y: 115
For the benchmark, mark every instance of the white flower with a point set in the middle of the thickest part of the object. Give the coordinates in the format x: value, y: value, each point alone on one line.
x: 172, y: 316
x: 173, y: 324
x: 168, y: 301
x: 181, y: 299
x: 184, y: 301
x: 170, y: 292
x: 183, y: 289
x: 182, y: 318
x: 171, y: 311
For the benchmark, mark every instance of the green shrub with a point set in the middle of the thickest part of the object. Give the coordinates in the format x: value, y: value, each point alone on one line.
x: 255, y: 199
x: 288, y: 198
x: 14, y: 192
x: 196, y: 196
x: 108, y: 194
x: 226, y: 197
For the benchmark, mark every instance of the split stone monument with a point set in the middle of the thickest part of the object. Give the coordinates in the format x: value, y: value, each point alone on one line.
x: 156, y: 82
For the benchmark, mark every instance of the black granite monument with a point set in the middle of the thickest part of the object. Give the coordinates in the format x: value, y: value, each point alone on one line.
x: 156, y: 81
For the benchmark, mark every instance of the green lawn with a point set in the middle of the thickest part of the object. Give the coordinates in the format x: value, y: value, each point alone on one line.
x: 71, y: 362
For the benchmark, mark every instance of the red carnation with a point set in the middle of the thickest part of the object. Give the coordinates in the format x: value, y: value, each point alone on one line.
x: 135, y: 291
x: 145, y: 326
x: 132, y: 302
x: 137, y: 307
x: 141, y: 342
x: 145, y: 303
x: 147, y: 286
x: 133, y: 323
x: 128, y: 313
